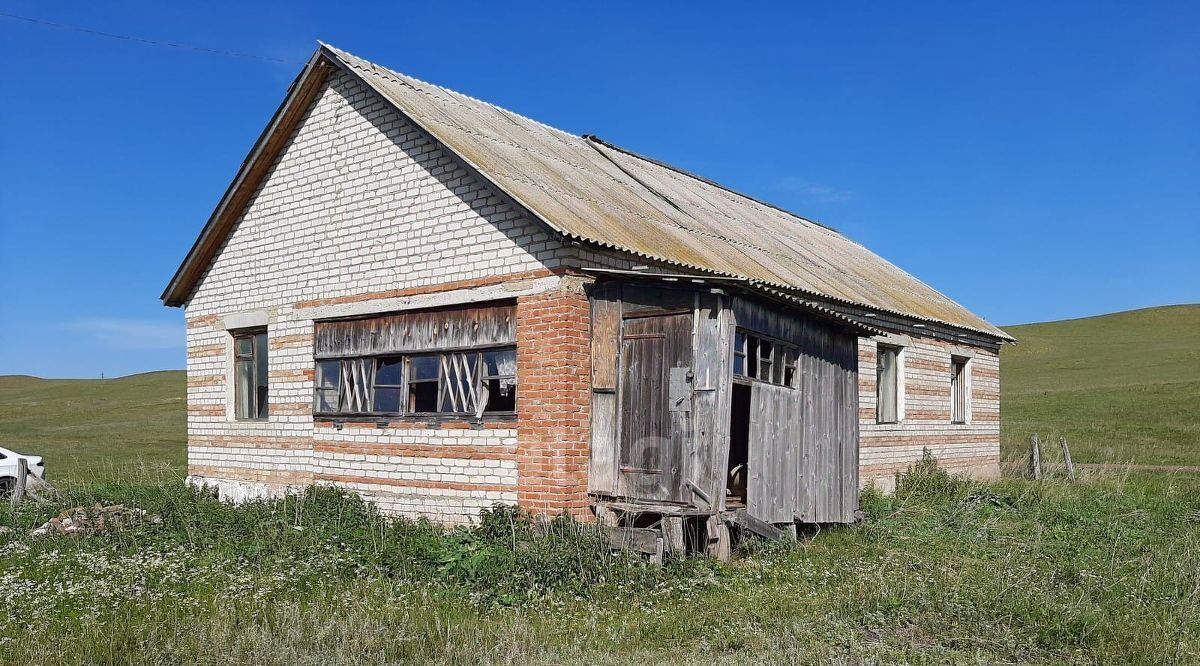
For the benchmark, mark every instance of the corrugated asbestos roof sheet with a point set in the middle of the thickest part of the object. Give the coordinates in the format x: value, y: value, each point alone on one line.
x: 593, y: 191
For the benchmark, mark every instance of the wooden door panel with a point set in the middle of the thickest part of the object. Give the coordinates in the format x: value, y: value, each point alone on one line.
x: 654, y: 436
x: 774, y: 449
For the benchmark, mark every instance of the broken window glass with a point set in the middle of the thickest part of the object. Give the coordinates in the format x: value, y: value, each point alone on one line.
x: 500, y: 380
x: 423, y: 374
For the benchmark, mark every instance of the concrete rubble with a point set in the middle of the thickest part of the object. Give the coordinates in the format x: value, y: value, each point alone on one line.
x: 93, y: 520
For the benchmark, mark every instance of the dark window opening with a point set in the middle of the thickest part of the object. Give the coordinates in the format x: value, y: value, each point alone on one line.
x: 250, y: 375
x: 500, y: 380
x: 423, y: 383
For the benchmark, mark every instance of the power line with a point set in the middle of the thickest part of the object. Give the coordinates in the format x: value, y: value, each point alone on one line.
x: 150, y: 42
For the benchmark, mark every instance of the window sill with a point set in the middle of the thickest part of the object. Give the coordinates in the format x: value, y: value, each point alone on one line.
x: 506, y: 420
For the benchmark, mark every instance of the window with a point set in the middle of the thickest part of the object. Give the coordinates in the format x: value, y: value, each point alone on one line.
x: 250, y: 375
x: 500, y: 380
x: 389, y: 384
x: 959, y: 390
x: 755, y: 357
x: 329, y: 383
x: 887, y: 384
x: 423, y: 378
x: 468, y: 383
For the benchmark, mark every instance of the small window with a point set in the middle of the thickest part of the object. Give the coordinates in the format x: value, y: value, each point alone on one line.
x: 887, y: 376
x: 250, y: 375
x: 789, y: 368
x: 766, y: 360
x: 500, y: 380
x: 329, y: 381
x: 770, y: 361
x: 423, y: 383
x: 958, y: 390
x: 389, y: 385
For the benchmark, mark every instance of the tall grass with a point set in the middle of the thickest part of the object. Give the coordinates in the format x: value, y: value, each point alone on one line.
x: 945, y: 570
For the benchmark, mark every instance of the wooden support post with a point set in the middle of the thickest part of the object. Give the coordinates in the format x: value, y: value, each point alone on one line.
x: 1062, y: 441
x: 1035, y: 457
x: 18, y: 493
x: 673, y: 533
x: 719, y: 540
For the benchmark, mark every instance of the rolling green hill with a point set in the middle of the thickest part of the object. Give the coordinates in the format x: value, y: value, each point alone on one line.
x: 1120, y: 387
x: 87, y: 427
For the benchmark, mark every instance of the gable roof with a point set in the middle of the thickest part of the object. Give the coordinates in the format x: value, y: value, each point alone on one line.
x: 590, y: 190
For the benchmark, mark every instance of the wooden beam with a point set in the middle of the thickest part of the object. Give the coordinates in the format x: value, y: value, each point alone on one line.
x: 760, y: 527
x: 637, y: 539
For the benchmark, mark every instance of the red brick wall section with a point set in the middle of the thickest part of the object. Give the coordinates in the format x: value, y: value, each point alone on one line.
x: 554, y: 401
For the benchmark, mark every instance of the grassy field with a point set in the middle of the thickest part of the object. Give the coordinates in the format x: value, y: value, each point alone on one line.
x: 1106, y: 570
x: 85, y: 428
x: 945, y: 571
x: 1121, y: 388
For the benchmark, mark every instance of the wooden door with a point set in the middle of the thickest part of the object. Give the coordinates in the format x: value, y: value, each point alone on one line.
x: 656, y: 406
x: 774, y: 447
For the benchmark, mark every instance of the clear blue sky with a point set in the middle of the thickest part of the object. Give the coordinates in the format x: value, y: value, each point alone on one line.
x: 1033, y: 161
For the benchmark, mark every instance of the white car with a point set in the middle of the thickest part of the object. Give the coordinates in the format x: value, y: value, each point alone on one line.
x: 8, y: 469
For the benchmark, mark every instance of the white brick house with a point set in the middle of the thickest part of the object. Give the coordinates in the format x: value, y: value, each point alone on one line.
x: 442, y: 305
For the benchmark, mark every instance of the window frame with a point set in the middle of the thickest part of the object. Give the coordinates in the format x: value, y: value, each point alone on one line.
x: 896, y: 384
x: 960, y: 390
x: 764, y: 359
x: 400, y: 387
x: 258, y: 359
x: 440, y: 358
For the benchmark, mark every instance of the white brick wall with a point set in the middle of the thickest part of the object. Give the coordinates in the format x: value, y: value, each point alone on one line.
x: 972, y: 447
x: 359, y: 202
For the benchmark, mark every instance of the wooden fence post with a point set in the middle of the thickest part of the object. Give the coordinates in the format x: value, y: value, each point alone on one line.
x: 1062, y: 441
x: 18, y: 493
x: 1035, y: 457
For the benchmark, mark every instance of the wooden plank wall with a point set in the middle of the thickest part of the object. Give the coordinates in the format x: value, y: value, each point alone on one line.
x: 422, y: 330
x: 712, y: 391
x: 774, y: 462
x: 706, y: 451
x: 828, y: 474
x: 606, y: 344
x: 816, y: 432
